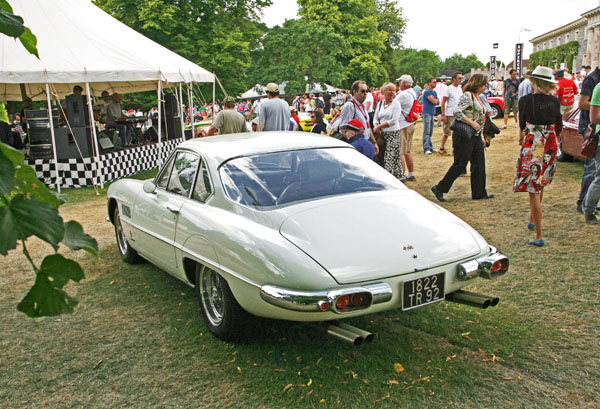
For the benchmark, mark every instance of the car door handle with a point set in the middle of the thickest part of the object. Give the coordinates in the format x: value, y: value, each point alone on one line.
x: 172, y: 209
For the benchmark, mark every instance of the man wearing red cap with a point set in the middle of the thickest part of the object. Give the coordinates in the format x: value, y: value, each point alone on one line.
x: 353, y: 132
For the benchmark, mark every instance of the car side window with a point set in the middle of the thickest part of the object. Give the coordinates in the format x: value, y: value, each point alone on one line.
x: 164, y: 178
x: 203, y: 188
x: 183, y: 173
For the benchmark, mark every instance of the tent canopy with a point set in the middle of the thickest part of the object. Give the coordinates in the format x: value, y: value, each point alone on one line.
x: 77, y: 43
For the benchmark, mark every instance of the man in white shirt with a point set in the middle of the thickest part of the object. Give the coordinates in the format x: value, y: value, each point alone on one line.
x: 370, y: 106
x: 256, y: 107
x: 449, y: 102
x: 406, y: 97
x: 440, y: 90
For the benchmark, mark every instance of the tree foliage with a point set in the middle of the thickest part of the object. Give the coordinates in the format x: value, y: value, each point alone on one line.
x: 12, y: 26
x: 216, y: 34
x: 555, y: 56
x: 314, y: 58
x: 461, y: 63
x: 420, y: 64
x: 28, y: 208
x: 357, y: 22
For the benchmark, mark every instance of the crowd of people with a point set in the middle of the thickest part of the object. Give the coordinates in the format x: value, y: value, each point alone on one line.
x: 380, y: 123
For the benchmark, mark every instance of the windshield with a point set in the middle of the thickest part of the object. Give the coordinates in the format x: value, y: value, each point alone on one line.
x: 281, y: 178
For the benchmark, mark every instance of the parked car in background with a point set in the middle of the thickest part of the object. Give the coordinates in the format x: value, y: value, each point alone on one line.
x: 296, y: 227
x: 497, y: 104
x: 570, y: 141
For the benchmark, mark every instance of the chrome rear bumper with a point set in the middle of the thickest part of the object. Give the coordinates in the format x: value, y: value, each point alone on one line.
x: 315, y: 301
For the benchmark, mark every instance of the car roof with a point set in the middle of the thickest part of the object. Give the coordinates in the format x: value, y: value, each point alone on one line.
x: 223, y: 147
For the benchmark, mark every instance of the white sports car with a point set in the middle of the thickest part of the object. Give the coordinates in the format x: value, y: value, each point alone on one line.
x: 296, y: 227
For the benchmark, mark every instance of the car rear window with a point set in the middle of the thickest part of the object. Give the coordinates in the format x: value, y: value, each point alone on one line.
x: 276, y: 179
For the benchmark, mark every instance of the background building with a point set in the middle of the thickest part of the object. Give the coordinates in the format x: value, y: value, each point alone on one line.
x: 585, y: 30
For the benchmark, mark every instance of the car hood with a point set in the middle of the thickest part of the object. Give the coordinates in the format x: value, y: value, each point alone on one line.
x: 371, y: 237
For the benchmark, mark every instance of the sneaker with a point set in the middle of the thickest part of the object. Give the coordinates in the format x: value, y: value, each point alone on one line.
x: 591, y: 219
x: 428, y: 152
x: 438, y: 195
x: 530, y: 226
x: 411, y: 178
x: 434, y: 150
x: 443, y: 152
x: 504, y: 126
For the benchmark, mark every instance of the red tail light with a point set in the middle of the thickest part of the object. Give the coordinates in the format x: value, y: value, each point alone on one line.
x: 342, y: 302
x: 358, y: 299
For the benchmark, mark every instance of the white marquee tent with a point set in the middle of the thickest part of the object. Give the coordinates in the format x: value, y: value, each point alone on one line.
x: 78, y: 43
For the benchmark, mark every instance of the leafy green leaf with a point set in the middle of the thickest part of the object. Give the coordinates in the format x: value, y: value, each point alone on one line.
x: 46, y: 298
x: 8, y: 231
x: 7, y: 175
x: 10, y: 24
x: 33, y: 217
x: 61, y: 270
x: 5, y: 6
x: 76, y: 239
x: 27, y: 182
x: 29, y: 41
x: 11, y: 153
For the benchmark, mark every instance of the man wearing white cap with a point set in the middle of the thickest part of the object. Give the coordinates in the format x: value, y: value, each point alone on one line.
x: 406, y: 97
x: 274, y: 112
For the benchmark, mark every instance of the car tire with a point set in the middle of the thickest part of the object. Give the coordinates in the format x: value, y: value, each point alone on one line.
x: 496, y: 111
x: 222, y: 314
x: 128, y: 254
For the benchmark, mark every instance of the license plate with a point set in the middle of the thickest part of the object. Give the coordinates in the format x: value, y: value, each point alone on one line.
x: 423, y: 291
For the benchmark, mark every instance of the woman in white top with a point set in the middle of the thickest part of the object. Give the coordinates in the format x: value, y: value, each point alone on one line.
x: 387, y: 123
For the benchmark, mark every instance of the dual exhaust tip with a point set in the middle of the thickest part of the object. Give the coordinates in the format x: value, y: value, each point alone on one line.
x: 347, y: 333
x: 472, y: 299
x: 356, y: 336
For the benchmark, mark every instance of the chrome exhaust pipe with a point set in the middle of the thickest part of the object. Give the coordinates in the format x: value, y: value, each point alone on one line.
x: 342, y: 334
x: 472, y: 299
x: 366, y: 336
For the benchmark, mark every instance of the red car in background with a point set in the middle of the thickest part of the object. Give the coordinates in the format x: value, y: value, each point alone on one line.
x: 497, y: 104
x: 569, y: 141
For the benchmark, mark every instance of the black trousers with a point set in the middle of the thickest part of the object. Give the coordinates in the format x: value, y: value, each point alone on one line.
x: 466, y: 150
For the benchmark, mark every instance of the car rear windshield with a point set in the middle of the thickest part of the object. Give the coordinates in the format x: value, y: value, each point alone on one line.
x: 269, y: 180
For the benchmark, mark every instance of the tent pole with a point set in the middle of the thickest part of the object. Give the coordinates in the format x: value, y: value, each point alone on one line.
x: 191, y: 102
x: 181, y: 113
x: 159, y: 93
x: 53, y: 137
x: 213, y: 98
x: 94, y: 136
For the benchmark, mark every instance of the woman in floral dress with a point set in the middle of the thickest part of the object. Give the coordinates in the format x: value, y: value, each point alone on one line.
x: 540, y: 121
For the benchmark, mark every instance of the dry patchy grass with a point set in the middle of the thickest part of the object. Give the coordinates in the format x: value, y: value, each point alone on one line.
x: 137, y: 340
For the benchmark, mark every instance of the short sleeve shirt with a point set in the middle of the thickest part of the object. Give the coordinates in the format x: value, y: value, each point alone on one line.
x: 230, y: 121
x: 428, y: 107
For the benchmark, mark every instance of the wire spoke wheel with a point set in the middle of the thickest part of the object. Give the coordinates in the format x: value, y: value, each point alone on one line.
x: 121, y: 240
x: 213, y: 296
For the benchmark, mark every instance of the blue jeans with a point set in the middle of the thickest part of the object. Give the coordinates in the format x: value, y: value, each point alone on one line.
x: 428, y: 121
x: 589, y: 170
x: 593, y: 193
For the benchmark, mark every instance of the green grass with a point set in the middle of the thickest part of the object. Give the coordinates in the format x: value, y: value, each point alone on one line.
x: 78, y: 195
x: 137, y: 339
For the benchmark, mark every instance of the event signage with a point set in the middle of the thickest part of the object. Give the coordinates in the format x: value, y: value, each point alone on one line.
x: 519, y: 58
x: 493, y: 66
